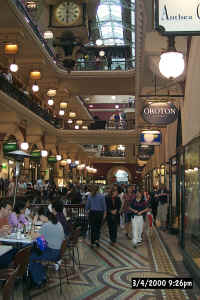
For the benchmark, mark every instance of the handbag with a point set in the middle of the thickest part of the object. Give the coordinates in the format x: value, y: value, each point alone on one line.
x: 40, y: 245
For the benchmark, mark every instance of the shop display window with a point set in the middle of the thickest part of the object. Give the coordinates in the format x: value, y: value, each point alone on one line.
x: 192, y: 201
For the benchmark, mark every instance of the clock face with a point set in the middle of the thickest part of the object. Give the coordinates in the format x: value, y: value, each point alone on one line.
x: 67, y: 13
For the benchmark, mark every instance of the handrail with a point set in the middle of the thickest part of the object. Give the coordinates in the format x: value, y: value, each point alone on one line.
x: 29, y: 102
x: 34, y: 27
x: 102, y: 65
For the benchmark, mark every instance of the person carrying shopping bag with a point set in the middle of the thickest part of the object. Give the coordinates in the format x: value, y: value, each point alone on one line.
x: 138, y: 208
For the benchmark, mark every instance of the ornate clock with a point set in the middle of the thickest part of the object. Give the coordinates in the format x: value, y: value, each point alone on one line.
x: 67, y: 13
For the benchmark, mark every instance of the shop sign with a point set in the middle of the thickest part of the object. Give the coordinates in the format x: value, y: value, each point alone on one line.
x: 52, y: 159
x: 160, y: 113
x: 10, y: 146
x: 144, y: 157
x: 146, y: 149
x: 150, y: 137
x: 176, y: 17
x: 35, y: 155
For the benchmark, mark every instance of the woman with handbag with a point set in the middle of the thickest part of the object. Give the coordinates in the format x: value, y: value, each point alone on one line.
x: 113, y: 204
x: 52, y: 232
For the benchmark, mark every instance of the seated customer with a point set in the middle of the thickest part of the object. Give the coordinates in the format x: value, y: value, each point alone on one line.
x: 53, y: 233
x: 5, y: 211
x: 57, y: 210
x: 17, y: 217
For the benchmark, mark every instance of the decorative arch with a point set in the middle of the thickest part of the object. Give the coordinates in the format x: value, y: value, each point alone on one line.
x: 111, y: 173
x: 15, y: 132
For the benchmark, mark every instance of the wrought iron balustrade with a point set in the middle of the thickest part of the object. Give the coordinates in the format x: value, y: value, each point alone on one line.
x: 102, y: 65
x: 34, y: 27
x: 29, y: 102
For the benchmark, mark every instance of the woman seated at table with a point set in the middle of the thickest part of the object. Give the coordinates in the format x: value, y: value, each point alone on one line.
x: 57, y: 210
x: 17, y: 217
x: 53, y: 233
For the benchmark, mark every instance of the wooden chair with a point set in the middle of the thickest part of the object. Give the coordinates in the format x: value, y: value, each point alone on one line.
x: 21, y: 261
x: 8, y: 288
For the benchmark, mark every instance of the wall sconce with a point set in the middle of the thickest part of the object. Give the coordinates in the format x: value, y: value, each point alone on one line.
x: 24, y: 146
x: 172, y: 62
x: 31, y: 4
x: 11, y: 48
x: 99, y: 42
x: 70, y: 121
x: 35, y: 87
x: 72, y: 114
x: 76, y: 127
x: 51, y: 93
x: 79, y: 122
x: 44, y: 153
x: 61, y: 112
x: 63, y: 163
x: 63, y: 105
x: 48, y: 35
x: 35, y: 75
x: 50, y: 102
x: 58, y: 157
x: 84, y: 127
x: 101, y: 53
x: 162, y: 170
x: 14, y: 67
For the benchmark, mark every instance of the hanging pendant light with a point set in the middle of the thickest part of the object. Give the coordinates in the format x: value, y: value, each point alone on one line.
x: 50, y: 102
x: 44, y: 153
x: 24, y: 146
x: 172, y: 62
x: 35, y: 87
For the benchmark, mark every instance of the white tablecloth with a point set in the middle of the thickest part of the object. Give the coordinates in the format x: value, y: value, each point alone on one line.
x: 4, y: 249
x: 12, y: 238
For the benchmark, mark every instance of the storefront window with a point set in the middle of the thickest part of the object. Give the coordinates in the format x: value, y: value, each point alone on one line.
x: 192, y: 201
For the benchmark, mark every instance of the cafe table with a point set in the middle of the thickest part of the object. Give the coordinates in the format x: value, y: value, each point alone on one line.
x: 4, y: 249
x: 14, y: 238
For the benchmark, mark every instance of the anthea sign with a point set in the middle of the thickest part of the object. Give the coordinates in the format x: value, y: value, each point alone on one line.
x: 178, y: 17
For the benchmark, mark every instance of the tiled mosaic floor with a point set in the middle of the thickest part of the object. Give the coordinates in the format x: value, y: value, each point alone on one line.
x: 106, y: 272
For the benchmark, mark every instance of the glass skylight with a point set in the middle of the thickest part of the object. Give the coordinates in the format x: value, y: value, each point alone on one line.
x: 109, y: 19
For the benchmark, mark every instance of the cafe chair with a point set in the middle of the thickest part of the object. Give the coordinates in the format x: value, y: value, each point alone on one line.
x: 8, y: 288
x: 73, y: 245
x: 58, y: 266
x: 21, y: 261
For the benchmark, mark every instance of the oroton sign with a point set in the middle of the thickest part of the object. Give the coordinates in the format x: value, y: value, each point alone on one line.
x: 160, y: 113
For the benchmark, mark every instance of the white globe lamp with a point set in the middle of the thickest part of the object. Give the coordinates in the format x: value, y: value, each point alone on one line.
x: 171, y: 64
x: 44, y: 153
x: 24, y: 146
x: 14, y: 68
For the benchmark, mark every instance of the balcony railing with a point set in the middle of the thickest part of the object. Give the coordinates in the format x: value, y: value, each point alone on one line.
x: 102, y: 65
x: 102, y: 124
x: 29, y: 102
x: 34, y: 27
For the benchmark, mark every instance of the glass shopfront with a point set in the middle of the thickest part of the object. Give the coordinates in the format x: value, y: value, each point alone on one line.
x: 192, y: 201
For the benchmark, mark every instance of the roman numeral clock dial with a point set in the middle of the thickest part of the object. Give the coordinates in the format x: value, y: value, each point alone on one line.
x: 67, y: 13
